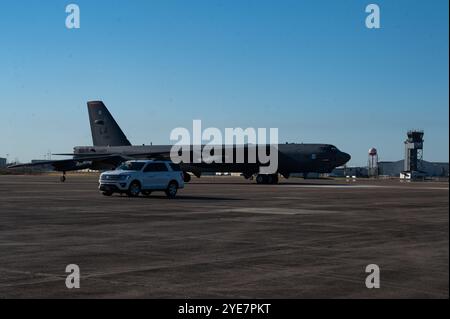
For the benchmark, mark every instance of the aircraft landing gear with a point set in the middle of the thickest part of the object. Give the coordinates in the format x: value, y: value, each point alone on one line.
x: 274, y: 179
x: 267, y: 179
x: 248, y: 175
x: 63, y: 177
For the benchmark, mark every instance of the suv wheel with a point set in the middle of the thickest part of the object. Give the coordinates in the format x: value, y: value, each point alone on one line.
x: 172, y: 190
x: 134, y: 189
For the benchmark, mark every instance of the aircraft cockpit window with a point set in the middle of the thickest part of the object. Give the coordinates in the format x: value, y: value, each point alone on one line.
x: 329, y: 149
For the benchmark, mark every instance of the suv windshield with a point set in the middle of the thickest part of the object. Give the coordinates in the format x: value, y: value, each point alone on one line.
x: 131, y: 166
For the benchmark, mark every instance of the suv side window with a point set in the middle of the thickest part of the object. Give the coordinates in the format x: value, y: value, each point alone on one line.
x: 155, y: 167
x: 175, y: 167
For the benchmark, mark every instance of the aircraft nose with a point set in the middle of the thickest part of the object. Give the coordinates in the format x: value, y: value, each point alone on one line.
x: 343, y: 158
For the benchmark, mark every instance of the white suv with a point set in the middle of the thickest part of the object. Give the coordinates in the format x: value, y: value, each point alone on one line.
x: 143, y: 176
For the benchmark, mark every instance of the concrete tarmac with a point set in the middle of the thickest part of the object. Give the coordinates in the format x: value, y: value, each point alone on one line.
x: 224, y: 237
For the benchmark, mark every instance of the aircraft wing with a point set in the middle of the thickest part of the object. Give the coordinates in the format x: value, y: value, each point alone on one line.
x: 74, y: 164
x: 126, y: 156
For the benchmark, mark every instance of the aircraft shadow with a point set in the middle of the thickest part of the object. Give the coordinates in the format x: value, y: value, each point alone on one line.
x: 315, y: 184
x: 279, y: 184
x: 188, y: 197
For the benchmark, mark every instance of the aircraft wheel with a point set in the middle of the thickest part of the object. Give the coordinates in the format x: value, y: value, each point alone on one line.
x: 247, y: 175
x: 261, y: 179
x: 274, y: 179
x: 267, y: 179
x: 107, y: 193
x: 62, y: 179
x: 146, y: 193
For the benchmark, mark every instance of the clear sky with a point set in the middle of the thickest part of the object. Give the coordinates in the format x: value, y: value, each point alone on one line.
x: 310, y: 68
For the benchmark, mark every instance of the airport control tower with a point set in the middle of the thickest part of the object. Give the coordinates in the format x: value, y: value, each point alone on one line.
x: 414, y: 151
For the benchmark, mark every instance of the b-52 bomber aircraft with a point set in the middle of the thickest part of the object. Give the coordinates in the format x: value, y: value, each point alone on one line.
x: 111, y: 148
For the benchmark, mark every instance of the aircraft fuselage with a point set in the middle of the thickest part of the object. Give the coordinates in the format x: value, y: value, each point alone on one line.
x: 292, y: 158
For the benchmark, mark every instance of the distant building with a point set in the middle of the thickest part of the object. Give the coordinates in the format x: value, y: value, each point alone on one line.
x: 430, y: 169
x: 2, y: 162
x: 394, y: 169
x: 350, y: 171
x: 391, y: 168
x: 309, y: 175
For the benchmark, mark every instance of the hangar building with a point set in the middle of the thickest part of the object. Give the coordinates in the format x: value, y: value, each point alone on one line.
x: 431, y: 169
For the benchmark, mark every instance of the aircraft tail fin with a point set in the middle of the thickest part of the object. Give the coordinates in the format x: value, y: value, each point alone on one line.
x: 105, y: 130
